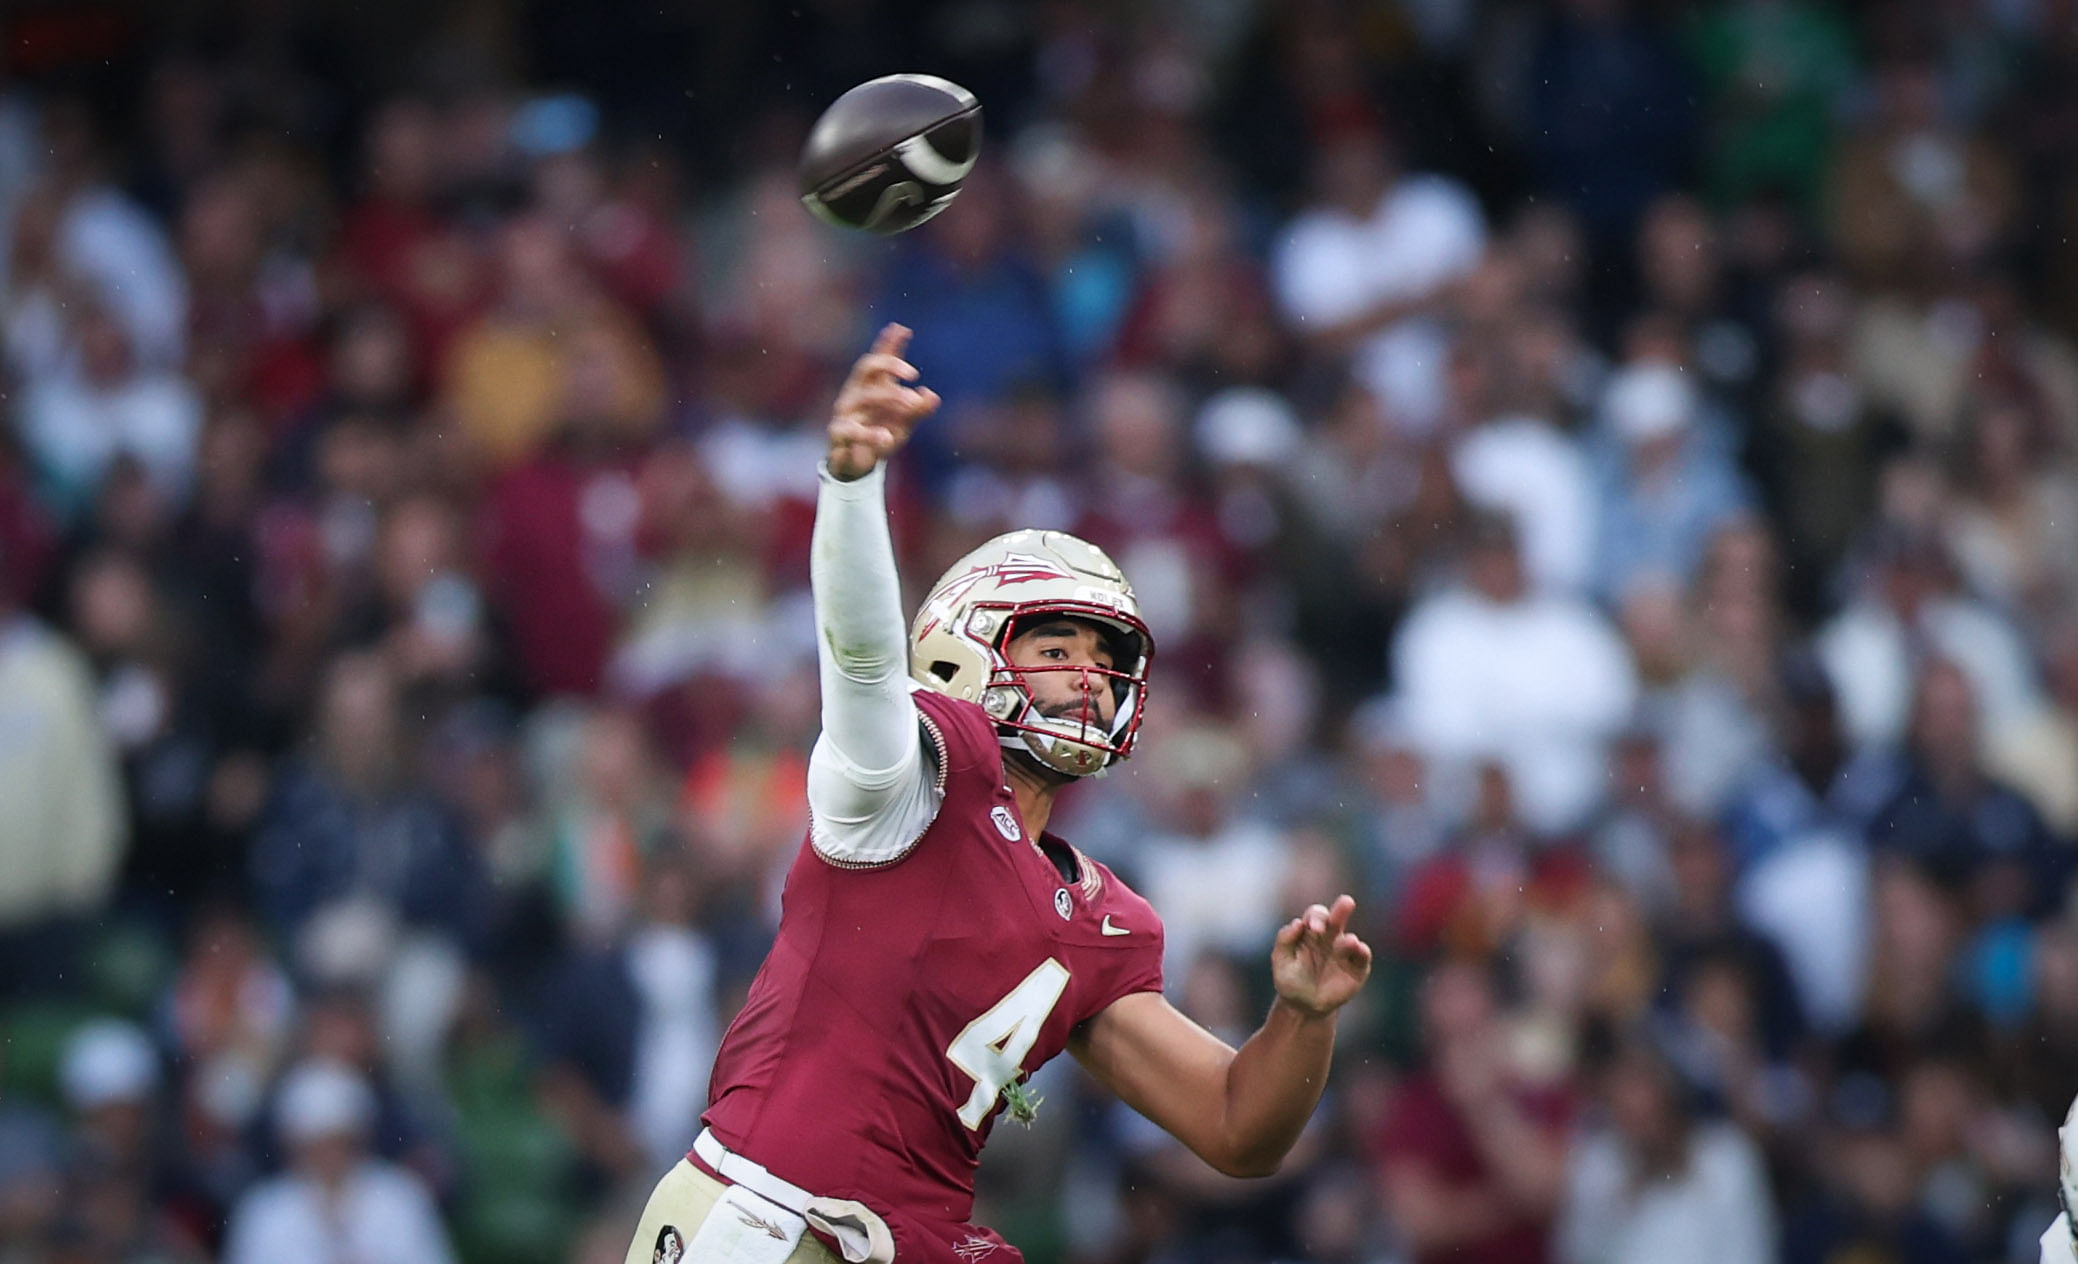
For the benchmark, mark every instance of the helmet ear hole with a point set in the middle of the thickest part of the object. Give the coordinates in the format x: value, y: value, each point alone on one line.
x: 944, y: 670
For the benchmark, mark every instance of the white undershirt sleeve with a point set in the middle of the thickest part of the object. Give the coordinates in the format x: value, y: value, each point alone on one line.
x: 872, y: 780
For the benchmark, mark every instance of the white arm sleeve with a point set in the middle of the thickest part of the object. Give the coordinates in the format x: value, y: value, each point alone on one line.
x: 872, y: 780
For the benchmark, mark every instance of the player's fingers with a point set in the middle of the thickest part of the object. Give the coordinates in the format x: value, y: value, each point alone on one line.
x: 929, y: 400
x: 917, y: 401
x: 887, y: 391
x: 876, y: 398
x: 1288, y: 934
x: 895, y: 367
x: 892, y: 339
x: 890, y: 405
x: 1316, y: 918
x: 877, y: 441
x: 872, y: 369
x: 1350, y: 948
x: 1339, y: 913
x: 852, y: 428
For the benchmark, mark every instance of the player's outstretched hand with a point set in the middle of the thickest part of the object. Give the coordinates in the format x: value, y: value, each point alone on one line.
x: 877, y: 408
x: 1316, y: 963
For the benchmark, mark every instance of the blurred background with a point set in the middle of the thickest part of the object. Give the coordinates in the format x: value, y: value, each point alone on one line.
x: 1600, y: 473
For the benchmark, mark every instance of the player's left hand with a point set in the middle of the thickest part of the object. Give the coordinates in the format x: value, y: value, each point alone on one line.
x: 1316, y: 963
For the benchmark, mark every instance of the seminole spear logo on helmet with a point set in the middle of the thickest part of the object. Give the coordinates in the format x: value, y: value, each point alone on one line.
x: 1014, y: 568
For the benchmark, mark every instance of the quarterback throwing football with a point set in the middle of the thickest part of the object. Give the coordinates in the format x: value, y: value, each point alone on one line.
x: 937, y: 945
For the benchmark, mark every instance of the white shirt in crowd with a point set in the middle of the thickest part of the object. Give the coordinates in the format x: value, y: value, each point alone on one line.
x: 63, y: 832
x: 115, y: 246
x: 1224, y: 893
x: 1811, y: 898
x: 1426, y: 231
x: 1536, y: 474
x: 381, y: 1215
x: 76, y: 430
x: 1717, y: 1211
x: 1868, y: 654
x: 674, y: 973
x: 1539, y: 686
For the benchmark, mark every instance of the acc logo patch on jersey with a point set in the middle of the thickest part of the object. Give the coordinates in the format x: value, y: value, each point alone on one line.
x: 1063, y: 905
x: 1006, y: 824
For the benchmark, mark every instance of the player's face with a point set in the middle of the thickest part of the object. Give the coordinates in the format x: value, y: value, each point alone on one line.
x: 1052, y: 651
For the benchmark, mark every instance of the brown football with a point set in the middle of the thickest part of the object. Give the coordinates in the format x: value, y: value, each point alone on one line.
x: 890, y: 153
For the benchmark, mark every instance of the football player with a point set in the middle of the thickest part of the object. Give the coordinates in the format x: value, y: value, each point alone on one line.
x: 936, y: 944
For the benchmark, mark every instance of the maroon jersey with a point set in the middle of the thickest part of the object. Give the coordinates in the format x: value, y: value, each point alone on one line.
x: 868, y: 1061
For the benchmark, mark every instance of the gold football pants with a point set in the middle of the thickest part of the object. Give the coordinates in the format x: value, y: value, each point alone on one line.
x: 677, y: 1209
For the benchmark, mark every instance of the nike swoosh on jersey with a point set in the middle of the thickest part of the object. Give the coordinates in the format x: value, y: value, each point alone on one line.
x: 1109, y: 929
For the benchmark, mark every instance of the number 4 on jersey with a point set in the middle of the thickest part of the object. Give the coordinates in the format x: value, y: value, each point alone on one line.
x: 992, y: 1048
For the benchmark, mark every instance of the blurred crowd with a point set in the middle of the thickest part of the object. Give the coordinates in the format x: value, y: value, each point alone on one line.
x: 1601, y: 477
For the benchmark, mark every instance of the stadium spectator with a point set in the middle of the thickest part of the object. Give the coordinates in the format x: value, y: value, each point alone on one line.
x: 1912, y: 188
x: 602, y: 807
x: 1367, y: 269
x: 79, y: 240
x: 1595, y: 60
x: 1489, y: 670
x: 1684, y: 275
x: 981, y: 311
x: 1471, y: 1156
x: 1402, y: 815
x: 553, y: 352
x: 348, y: 824
x: 2007, y: 528
x: 1653, y: 1182
x: 1769, y: 132
x: 105, y: 409
x: 1822, y: 432
x: 65, y: 831
x: 110, y: 1076
x: 334, y: 1196
x: 1217, y: 876
x: 1669, y: 492
x: 1910, y: 599
x: 562, y: 526
x: 628, y: 1032
x: 1701, y: 930
x: 1862, y: 1194
x: 2035, y: 757
x: 1512, y: 460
